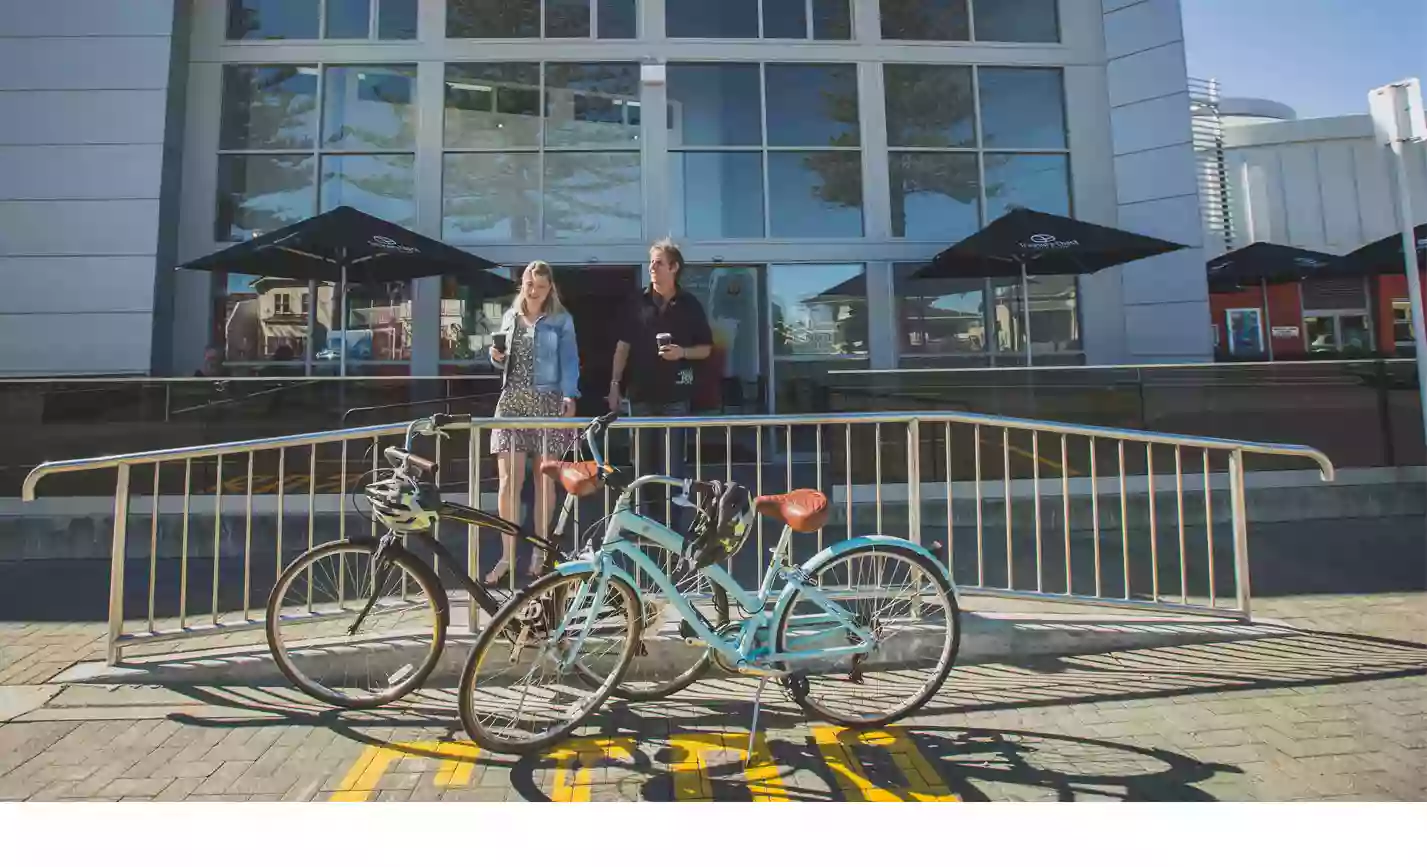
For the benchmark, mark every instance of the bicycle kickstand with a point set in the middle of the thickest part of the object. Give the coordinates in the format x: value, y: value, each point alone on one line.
x: 753, y: 728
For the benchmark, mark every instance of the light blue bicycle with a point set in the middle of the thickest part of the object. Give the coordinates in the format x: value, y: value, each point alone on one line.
x: 862, y: 634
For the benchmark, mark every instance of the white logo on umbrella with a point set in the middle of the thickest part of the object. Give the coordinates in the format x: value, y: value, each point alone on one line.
x: 388, y: 244
x: 1044, y: 242
x: 1309, y: 263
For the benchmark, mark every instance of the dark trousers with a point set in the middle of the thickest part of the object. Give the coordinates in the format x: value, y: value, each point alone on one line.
x: 655, y: 458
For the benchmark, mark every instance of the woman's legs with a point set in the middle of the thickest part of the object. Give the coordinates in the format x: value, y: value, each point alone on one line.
x: 512, y: 479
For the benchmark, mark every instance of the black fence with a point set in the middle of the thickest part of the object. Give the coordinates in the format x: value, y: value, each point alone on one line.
x: 1361, y: 414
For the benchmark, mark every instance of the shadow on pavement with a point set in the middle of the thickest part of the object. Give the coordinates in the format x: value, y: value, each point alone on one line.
x: 968, y: 760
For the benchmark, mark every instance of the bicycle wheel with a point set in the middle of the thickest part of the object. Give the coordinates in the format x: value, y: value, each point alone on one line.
x: 323, y: 596
x: 908, y: 605
x: 526, y: 683
x: 651, y: 676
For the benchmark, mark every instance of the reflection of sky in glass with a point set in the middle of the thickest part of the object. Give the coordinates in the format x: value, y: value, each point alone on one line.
x: 1022, y: 108
x: 348, y: 19
x: 383, y: 186
x: 593, y: 196
x: 369, y: 107
x: 1018, y: 21
x: 812, y: 105
x: 715, y: 104
x: 396, y: 19
x: 726, y: 19
x: 618, y: 19
x: 798, y: 211
x: 934, y: 214
x: 1037, y: 181
x: 785, y: 19
x: 717, y: 195
x: 273, y: 19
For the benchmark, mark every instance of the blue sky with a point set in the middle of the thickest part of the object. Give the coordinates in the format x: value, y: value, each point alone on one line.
x: 1319, y: 56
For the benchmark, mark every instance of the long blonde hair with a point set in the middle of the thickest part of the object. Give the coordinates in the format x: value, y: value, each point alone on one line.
x: 535, y: 269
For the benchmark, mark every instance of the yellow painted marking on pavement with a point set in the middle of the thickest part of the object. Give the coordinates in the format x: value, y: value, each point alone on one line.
x: 691, y: 782
x: 584, y: 754
x: 923, y: 782
x: 456, y: 770
x: 361, y: 781
x: 362, y: 778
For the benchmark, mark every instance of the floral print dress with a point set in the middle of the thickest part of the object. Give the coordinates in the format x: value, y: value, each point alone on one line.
x: 520, y: 398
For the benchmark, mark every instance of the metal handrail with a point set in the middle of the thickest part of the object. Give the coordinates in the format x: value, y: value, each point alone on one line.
x: 50, y: 468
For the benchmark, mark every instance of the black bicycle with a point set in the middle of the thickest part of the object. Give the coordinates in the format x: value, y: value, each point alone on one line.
x: 360, y: 622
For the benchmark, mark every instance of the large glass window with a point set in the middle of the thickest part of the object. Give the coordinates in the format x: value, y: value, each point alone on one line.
x: 951, y: 171
x: 800, y: 177
x: 328, y: 19
x: 976, y: 322
x: 469, y: 316
x: 754, y: 19
x: 939, y: 317
x: 965, y: 20
x: 530, y: 19
x: 818, y: 310
x: 275, y: 167
x: 527, y: 161
x: 1016, y: 20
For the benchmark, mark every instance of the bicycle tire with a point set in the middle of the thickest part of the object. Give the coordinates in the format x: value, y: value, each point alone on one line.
x: 653, y: 690
x: 396, y: 689
x: 931, y: 570
x: 502, y: 625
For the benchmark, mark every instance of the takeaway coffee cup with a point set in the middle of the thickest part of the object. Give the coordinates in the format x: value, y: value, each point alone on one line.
x: 664, y: 338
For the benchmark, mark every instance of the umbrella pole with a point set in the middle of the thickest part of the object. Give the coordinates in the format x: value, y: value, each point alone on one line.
x: 341, y: 293
x: 1267, y: 321
x: 1026, y: 312
x: 311, y: 327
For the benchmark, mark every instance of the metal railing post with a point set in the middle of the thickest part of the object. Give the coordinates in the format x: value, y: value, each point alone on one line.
x: 116, y: 563
x: 1239, y: 511
x: 914, y: 481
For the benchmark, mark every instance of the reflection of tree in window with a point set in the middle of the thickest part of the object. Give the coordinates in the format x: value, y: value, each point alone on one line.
x: 938, y: 20
x: 921, y: 102
x: 493, y: 19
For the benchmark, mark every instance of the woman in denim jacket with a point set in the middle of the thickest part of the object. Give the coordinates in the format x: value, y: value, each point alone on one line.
x: 542, y: 374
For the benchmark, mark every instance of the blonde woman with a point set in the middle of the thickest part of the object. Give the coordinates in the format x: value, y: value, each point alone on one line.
x: 542, y: 374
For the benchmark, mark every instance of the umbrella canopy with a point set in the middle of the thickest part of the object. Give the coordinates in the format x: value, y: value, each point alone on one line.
x: 1385, y: 256
x: 1263, y: 262
x: 347, y: 245
x: 1032, y: 242
x: 371, y: 250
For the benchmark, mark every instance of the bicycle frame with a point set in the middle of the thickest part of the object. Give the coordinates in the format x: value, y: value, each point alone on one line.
x: 742, y: 650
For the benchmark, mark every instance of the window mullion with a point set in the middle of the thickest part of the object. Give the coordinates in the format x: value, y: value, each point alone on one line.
x: 763, y: 140
x: 373, y: 16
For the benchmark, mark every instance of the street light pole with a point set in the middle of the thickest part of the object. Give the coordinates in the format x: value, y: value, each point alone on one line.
x: 1398, y: 118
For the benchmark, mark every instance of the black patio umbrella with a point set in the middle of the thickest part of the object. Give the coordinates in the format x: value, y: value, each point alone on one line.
x: 347, y: 244
x: 1262, y: 263
x: 1385, y: 256
x: 1026, y: 242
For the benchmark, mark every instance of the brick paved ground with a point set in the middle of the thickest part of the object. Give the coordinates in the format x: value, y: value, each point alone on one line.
x: 1336, y: 711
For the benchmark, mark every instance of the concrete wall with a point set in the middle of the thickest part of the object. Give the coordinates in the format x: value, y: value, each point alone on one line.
x: 1322, y: 184
x: 1147, y: 83
x: 84, y: 90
